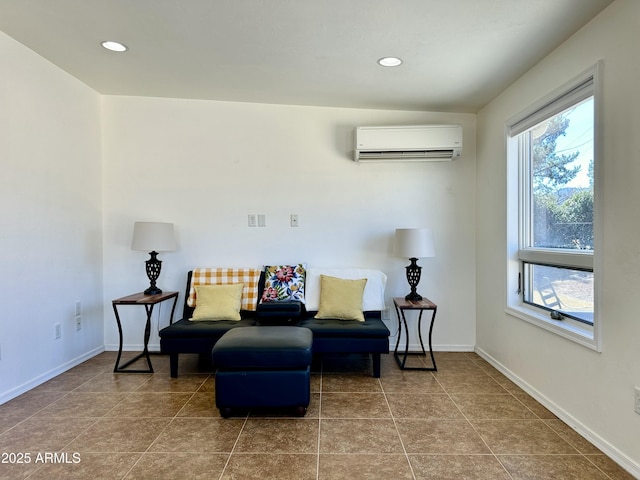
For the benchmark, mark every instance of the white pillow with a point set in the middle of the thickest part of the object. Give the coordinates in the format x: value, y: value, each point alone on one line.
x: 373, y: 297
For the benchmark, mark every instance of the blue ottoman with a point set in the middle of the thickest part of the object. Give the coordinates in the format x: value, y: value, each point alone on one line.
x: 263, y: 366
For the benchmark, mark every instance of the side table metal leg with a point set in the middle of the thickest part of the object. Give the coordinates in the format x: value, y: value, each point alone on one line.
x: 147, y: 334
x: 420, y: 333
x: 145, y: 353
x: 433, y: 359
x: 116, y: 367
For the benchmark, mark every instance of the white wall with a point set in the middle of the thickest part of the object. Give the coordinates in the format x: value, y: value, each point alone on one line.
x: 206, y: 165
x: 592, y: 391
x: 51, y: 233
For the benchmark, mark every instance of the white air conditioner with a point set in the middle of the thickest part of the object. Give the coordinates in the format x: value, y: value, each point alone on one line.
x: 408, y: 143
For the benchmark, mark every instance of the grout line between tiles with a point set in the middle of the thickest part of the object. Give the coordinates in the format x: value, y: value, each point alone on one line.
x: 395, y: 425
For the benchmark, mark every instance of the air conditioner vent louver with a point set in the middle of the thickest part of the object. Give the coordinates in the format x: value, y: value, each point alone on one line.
x: 408, y: 143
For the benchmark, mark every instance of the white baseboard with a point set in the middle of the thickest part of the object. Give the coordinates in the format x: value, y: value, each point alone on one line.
x: 415, y: 347
x: 40, y: 379
x: 608, y: 449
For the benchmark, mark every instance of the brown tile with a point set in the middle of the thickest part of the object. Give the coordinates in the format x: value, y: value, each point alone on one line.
x: 119, y: 435
x: 440, y: 437
x: 65, y: 382
x: 410, y: 382
x: 359, y: 436
x: 204, y: 435
x: 101, y: 363
x: 163, y: 466
x: 29, y: 403
x: 412, y: 361
x: 453, y: 362
x: 279, y: 466
x: 150, y: 405
x: 313, y: 410
x: 89, y: 465
x: 456, y: 467
x: 466, y: 382
x: 363, y: 467
x: 17, y: 470
x: 551, y: 467
x: 437, y: 405
x: 43, y: 434
x: 276, y: 435
x: 114, y: 382
x: 200, y: 404
x: 611, y: 468
x: 574, y: 438
x: 354, y: 405
x: 316, y: 383
x: 82, y: 404
x: 535, y: 407
x: 164, y: 383
x: 481, y: 362
x: 526, y: 437
x: 350, y: 383
x: 9, y: 421
x: 505, y: 383
x: 497, y: 406
x: 209, y: 385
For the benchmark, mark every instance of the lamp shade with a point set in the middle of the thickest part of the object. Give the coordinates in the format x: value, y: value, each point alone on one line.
x: 153, y: 236
x: 413, y: 243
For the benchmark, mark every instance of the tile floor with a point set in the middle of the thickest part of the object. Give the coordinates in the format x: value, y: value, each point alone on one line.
x: 466, y: 421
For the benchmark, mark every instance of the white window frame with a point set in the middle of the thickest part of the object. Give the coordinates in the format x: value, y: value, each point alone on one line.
x: 583, y: 86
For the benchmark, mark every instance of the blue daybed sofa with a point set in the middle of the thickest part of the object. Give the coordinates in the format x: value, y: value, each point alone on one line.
x: 330, y: 336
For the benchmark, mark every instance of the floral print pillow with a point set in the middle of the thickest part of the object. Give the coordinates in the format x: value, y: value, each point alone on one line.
x: 284, y: 283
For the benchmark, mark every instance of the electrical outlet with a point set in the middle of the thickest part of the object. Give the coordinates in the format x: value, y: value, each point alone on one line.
x: 58, y: 330
x: 637, y: 402
x: 78, y: 323
x: 294, y: 220
x: 252, y: 220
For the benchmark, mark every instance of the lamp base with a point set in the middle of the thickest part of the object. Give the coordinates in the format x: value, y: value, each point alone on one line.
x: 153, y: 266
x: 413, y: 297
x: 413, y: 278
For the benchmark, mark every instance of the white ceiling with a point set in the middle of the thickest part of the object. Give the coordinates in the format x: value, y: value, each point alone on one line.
x: 458, y: 54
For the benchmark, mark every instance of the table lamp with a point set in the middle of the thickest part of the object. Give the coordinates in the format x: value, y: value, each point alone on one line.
x: 153, y: 237
x: 413, y: 243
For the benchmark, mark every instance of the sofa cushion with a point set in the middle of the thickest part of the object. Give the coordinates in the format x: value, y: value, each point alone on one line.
x: 250, y: 277
x: 373, y: 298
x: 203, y: 329
x: 218, y: 302
x: 331, y: 328
x: 341, y: 299
x: 284, y: 283
x: 264, y: 348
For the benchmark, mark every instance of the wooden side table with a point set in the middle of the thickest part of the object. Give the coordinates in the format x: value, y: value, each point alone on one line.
x: 401, y: 304
x: 149, y: 301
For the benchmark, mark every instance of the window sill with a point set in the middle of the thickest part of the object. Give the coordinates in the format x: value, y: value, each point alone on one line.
x: 577, y: 332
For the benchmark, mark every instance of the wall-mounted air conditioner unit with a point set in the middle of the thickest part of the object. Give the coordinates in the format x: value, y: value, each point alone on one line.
x: 408, y: 143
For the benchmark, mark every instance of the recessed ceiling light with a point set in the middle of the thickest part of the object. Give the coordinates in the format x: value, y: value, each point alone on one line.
x: 390, y: 61
x: 114, y: 46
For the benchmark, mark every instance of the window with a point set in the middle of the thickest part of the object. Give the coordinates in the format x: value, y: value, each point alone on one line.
x: 552, y: 159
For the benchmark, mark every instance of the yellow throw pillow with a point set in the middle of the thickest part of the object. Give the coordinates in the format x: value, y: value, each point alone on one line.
x: 218, y: 302
x: 341, y: 298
